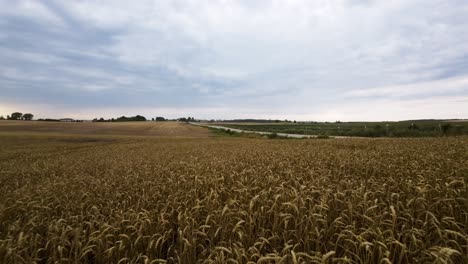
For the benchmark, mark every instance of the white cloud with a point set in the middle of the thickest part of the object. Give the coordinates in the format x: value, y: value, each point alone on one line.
x: 451, y: 85
x: 29, y: 57
x: 362, y: 45
x: 31, y: 9
x: 442, y: 107
x: 95, y: 87
x: 19, y: 74
x: 263, y: 55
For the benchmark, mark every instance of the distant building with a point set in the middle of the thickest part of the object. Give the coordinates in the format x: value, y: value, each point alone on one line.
x: 67, y: 120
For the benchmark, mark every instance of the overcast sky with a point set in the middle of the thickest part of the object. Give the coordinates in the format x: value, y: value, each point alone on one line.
x: 304, y: 60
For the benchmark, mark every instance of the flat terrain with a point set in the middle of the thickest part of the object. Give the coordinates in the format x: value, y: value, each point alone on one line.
x: 172, y: 129
x: 101, y: 198
x: 232, y: 131
x: 419, y: 128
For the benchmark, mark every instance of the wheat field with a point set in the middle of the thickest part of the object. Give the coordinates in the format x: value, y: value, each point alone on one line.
x: 160, y: 129
x: 115, y: 199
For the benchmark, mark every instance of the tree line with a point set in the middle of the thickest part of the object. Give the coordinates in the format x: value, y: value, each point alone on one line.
x: 142, y: 118
x: 29, y: 116
x: 18, y: 116
x: 121, y: 119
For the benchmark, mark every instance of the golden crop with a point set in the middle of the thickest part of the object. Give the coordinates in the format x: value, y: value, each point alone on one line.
x: 78, y: 199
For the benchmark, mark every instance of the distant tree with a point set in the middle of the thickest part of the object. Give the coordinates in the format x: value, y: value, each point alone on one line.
x: 16, y: 116
x: 445, y: 128
x: 28, y: 116
x: 2, y: 118
x: 152, y: 119
x: 140, y: 118
x: 99, y: 120
x: 133, y: 118
x: 160, y: 118
x: 8, y: 117
x: 413, y: 126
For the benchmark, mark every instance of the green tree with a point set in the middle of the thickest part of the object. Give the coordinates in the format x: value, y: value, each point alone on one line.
x: 413, y: 126
x: 445, y: 128
x: 139, y: 118
x: 28, y: 116
x: 16, y: 116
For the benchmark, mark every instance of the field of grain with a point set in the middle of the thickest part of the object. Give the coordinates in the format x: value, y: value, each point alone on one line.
x: 170, y: 129
x: 148, y: 199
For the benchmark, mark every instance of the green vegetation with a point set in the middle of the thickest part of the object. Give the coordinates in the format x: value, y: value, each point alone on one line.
x: 276, y: 136
x: 160, y: 118
x: 230, y: 133
x: 18, y: 116
x: 121, y: 119
x: 28, y: 116
x: 421, y: 128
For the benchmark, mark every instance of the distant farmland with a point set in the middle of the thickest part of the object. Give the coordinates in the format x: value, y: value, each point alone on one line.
x: 96, y: 193
x: 159, y: 129
x: 420, y: 128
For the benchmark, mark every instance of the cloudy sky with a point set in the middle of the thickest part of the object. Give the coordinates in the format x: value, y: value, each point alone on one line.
x: 304, y: 60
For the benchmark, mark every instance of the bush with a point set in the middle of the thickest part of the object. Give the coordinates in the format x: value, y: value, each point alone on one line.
x: 272, y: 136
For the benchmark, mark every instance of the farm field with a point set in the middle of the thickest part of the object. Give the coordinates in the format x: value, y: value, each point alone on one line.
x: 89, y: 194
x: 420, y: 128
x: 167, y: 129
